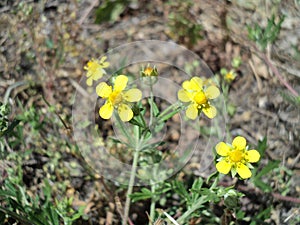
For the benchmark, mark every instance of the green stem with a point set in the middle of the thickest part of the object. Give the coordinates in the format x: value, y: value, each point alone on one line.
x: 171, y: 107
x: 130, y: 186
x: 123, y: 129
x: 153, y: 202
x: 194, y: 207
x: 138, y: 144
x: 151, y: 108
x: 199, y: 203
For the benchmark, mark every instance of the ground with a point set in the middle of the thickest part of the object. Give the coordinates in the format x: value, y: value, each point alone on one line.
x: 45, y: 45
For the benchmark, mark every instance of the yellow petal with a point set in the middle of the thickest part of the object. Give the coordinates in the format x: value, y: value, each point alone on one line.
x: 243, y: 171
x: 184, y: 96
x: 125, y: 112
x: 120, y: 83
x: 191, y: 112
x: 98, y: 73
x: 106, y: 110
x: 222, y: 149
x: 103, y: 90
x: 196, y: 83
x: 103, y: 59
x: 223, y: 167
x: 252, y: 156
x: 186, y: 85
x: 210, y: 111
x: 212, y: 92
x: 105, y: 64
x: 132, y: 95
x: 89, y: 81
x: 239, y: 143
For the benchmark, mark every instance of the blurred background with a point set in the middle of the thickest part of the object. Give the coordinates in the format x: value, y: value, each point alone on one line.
x: 44, y: 46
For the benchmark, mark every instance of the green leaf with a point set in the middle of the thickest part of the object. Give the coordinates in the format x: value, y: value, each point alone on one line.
x: 154, y: 107
x: 269, y: 167
x: 262, y: 146
x: 257, y: 178
x: 10, y: 128
x: 144, y: 194
x: 16, y: 216
x: 110, y: 10
x: 137, y: 121
x: 153, y: 145
x: 169, y: 115
x: 180, y: 189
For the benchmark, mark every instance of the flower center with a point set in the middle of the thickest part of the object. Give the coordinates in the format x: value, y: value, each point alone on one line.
x: 115, y: 97
x: 200, y: 98
x: 229, y: 76
x: 236, y: 155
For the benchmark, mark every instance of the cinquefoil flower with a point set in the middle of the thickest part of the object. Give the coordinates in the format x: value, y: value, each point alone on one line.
x: 149, y: 72
x: 198, y: 97
x: 236, y: 158
x: 95, y: 69
x: 230, y: 76
x: 118, y: 98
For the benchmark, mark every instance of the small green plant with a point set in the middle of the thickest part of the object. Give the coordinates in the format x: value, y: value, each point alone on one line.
x: 226, y: 78
x: 264, y: 36
x: 17, y: 203
x: 110, y: 10
x: 184, y: 27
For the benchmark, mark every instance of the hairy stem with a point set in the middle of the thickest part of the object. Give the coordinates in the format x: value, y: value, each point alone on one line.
x: 138, y: 143
x: 130, y: 186
x: 152, y: 206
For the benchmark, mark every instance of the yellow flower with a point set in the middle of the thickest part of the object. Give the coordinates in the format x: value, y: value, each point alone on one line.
x: 198, y: 97
x: 230, y: 76
x: 118, y: 98
x: 236, y: 158
x: 149, y: 71
x: 95, y: 69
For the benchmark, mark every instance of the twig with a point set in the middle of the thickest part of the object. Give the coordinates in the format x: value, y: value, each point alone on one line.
x: 68, y: 128
x: 257, y: 191
x: 276, y: 72
x: 120, y: 209
x: 11, y: 87
x: 259, y: 85
x: 80, y: 89
x: 87, y: 11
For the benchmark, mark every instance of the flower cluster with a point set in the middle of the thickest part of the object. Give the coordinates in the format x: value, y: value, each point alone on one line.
x: 198, y: 98
x: 196, y: 93
x: 95, y: 70
x: 236, y: 158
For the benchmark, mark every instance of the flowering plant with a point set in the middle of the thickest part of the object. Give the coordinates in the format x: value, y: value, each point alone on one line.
x: 125, y: 101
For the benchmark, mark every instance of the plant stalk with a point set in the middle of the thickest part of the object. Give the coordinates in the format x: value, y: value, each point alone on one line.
x: 130, y: 186
x: 153, y: 203
x: 138, y: 143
